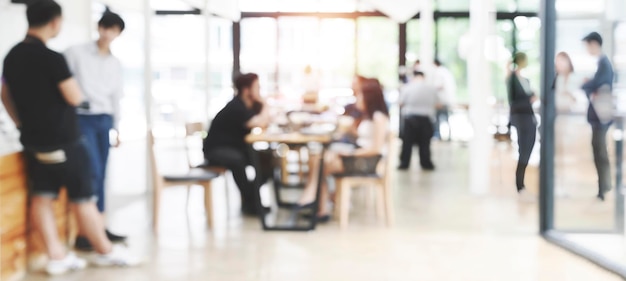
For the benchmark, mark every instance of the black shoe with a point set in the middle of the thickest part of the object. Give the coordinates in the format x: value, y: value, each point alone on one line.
x: 403, y: 168
x: 428, y: 168
x: 82, y: 244
x: 115, y: 238
x: 255, y: 212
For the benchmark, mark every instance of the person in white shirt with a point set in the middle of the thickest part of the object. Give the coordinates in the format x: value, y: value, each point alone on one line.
x: 99, y: 75
x: 418, y: 101
x: 444, y: 81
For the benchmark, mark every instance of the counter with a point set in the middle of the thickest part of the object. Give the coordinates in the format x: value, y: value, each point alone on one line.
x: 22, y: 248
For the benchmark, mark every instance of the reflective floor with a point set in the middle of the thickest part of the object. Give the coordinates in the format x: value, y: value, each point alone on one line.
x: 442, y: 231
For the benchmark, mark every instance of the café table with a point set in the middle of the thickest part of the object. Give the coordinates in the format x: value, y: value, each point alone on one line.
x: 290, y: 139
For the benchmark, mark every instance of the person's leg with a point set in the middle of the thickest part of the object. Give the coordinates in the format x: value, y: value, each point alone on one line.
x: 42, y: 216
x: 91, y: 225
x: 236, y: 161
x: 526, y: 136
x: 425, y: 134
x: 104, y: 126
x: 408, y: 141
x: 90, y: 132
x: 601, y: 159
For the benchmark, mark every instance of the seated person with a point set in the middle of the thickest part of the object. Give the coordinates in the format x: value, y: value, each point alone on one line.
x: 372, y: 134
x: 349, y: 134
x: 225, y: 144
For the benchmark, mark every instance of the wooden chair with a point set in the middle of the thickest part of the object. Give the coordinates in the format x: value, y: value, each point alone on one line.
x: 197, y: 131
x: 381, y: 181
x: 195, y: 176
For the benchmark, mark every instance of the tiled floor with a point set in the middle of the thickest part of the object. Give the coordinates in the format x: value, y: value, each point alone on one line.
x: 442, y: 232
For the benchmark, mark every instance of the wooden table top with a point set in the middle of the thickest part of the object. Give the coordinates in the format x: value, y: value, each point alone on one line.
x: 288, y: 138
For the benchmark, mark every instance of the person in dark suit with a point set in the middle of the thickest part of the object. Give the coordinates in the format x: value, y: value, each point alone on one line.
x: 522, y: 116
x: 596, y: 90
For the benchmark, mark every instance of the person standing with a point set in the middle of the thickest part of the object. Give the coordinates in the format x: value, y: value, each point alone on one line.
x: 41, y: 96
x: 522, y: 117
x: 443, y: 79
x: 225, y: 143
x: 418, y: 101
x: 598, y: 90
x: 99, y: 75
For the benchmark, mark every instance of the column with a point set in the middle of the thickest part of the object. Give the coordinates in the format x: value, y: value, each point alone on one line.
x: 482, y: 20
x: 207, y: 61
x: 427, y: 30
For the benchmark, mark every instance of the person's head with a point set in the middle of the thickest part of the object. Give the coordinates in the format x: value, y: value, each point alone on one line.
x: 437, y: 62
x: 416, y: 65
x: 520, y: 61
x: 356, y: 84
x: 563, y: 63
x: 371, y: 98
x: 45, y: 16
x: 110, y: 27
x: 248, y: 87
x: 593, y: 42
x: 419, y: 75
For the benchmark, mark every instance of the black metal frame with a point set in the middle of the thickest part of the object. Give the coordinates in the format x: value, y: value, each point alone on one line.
x: 314, y: 208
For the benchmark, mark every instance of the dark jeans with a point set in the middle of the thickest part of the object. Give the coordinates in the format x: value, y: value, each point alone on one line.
x: 443, y: 114
x: 526, y: 126
x: 601, y: 157
x: 236, y: 160
x: 95, y: 130
x: 417, y: 130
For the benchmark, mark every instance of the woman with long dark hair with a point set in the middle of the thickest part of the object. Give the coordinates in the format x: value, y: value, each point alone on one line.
x: 522, y: 116
x: 372, y: 134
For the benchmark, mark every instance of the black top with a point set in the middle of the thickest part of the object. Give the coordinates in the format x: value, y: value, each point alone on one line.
x: 519, y: 98
x: 604, y: 77
x: 33, y: 73
x: 228, y: 128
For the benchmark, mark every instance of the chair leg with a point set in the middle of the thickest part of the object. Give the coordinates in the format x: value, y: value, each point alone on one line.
x: 338, y: 196
x: 156, y: 201
x: 388, y: 199
x: 380, y: 202
x: 188, y: 196
x: 208, y: 203
x: 227, y: 187
x: 346, y: 191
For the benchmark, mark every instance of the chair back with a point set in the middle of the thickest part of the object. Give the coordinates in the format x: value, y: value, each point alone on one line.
x: 193, y: 132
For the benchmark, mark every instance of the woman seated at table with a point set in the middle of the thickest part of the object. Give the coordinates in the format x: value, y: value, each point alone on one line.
x: 372, y: 134
x: 225, y: 144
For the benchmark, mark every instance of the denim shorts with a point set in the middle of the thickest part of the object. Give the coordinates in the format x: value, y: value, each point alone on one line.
x: 51, y: 168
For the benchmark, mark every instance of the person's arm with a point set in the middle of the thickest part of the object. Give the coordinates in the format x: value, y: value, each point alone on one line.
x: 117, y: 97
x: 381, y: 123
x: 592, y: 86
x: 71, y: 91
x: 261, y: 120
x: 8, y: 104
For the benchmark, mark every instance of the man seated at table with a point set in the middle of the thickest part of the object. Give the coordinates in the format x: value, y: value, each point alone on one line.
x: 225, y: 144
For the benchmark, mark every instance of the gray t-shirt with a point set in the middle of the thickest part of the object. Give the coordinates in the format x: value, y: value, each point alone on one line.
x: 419, y: 98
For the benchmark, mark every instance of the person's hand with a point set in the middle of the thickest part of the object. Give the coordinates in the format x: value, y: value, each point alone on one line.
x: 118, y: 141
x: 533, y: 99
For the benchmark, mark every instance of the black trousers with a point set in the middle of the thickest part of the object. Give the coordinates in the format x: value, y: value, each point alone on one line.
x: 526, y: 126
x: 418, y: 130
x: 601, y: 157
x: 236, y: 160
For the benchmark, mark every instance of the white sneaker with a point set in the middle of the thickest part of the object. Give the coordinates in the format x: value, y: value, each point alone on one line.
x: 119, y: 256
x: 69, y: 263
x: 526, y: 196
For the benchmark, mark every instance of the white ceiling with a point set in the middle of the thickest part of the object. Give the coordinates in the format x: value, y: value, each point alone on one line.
x: 225, y: 8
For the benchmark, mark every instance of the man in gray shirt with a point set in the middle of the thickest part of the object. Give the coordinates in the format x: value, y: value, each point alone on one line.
x: 99, y: 75
x: 418, y: 103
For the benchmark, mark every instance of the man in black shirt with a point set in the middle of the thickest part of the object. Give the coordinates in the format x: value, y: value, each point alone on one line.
x: 225, y: 144
x: 40, y: 95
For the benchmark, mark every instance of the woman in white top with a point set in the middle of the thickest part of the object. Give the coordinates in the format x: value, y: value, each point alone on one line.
x: 372, y: 134
x: 565, y: 84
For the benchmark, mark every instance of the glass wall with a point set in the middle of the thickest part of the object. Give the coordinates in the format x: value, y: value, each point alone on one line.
x: 582, y: 220
x: 378, y: 49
